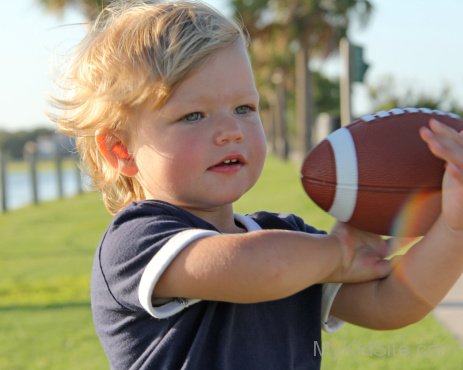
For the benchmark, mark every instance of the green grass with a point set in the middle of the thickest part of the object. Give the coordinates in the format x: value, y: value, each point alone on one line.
x: 45, y: 261
x: 422, y: 346
x: 45, y: 258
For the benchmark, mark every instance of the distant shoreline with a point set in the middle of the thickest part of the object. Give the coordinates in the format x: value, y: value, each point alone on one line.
x: 42, y: 165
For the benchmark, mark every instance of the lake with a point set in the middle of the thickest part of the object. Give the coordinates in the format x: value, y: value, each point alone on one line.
x: 19, y: 188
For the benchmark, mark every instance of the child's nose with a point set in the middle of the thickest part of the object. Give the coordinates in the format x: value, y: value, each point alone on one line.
x: 229, y: 130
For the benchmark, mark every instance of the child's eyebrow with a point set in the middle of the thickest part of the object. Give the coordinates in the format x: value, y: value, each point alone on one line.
x: 214, y: 96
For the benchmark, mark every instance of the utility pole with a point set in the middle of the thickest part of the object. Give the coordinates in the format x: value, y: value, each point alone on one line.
x: 345, y: 82
x: 353, y: 69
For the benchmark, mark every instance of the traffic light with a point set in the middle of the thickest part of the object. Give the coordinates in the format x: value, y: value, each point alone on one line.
x: 358, y: 67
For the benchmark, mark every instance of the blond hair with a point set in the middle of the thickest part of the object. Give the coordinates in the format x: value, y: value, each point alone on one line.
x: 135, y: 52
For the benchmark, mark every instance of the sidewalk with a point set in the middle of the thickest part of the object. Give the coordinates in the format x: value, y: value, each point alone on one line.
x: 450, y: 311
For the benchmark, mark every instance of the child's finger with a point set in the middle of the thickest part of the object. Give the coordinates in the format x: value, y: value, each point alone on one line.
x: 434, y: 144
x: 444, y: 142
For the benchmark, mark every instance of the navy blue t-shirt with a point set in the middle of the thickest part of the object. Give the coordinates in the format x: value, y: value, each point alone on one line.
x: 192, y: 334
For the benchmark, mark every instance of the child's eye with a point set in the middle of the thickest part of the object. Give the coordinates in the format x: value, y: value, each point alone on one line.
x: 192, y: 117
x: 244, y: 109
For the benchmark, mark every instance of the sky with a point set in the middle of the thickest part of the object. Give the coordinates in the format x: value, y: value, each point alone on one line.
x: 418, y: 43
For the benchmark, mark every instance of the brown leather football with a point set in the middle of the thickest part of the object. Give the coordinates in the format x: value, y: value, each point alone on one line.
x: 377, y: 174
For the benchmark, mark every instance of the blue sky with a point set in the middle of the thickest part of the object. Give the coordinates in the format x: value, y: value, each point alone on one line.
x: 417, y: 42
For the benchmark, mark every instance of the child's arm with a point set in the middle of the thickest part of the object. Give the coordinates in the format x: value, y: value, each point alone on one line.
x: 422, y: 277
x: 269, y: 264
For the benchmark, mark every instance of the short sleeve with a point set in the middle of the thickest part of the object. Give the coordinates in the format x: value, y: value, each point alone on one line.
x: 137, y: 248
x: 158, y: 265
x: 330, y: 323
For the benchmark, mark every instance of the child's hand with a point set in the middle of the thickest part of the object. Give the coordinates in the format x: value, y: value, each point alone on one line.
x: 363, y: 255
x: 447, y: 144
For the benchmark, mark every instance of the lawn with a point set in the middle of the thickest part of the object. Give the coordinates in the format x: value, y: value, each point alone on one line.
x: 46, y: 254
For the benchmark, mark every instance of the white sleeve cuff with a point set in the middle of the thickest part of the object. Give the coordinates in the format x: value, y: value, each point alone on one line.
x: 158, y: 265
x: 330, y: 323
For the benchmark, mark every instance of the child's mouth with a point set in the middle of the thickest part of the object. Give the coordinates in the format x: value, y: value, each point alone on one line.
x: 227, y: 163
x: 231, y: 163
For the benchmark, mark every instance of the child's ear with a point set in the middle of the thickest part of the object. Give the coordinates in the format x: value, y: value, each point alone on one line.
x: 116, y: 154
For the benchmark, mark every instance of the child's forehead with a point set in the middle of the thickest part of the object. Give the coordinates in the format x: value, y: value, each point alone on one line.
x: 225, y: 76
x: 225, y: 70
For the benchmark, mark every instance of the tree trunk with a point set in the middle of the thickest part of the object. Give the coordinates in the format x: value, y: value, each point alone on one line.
x: 267, y: 116
x: 281, y: 139
x: 304, y: 101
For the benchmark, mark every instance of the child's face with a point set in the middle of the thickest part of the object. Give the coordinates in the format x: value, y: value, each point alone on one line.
x: 205, y: 147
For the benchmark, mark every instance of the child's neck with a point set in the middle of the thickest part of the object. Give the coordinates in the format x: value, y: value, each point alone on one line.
x: 223, y: 219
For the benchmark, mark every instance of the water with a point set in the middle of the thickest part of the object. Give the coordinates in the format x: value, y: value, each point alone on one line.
x: 19, y: 186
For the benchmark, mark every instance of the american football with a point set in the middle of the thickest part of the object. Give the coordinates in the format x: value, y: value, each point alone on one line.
x: 377, y: 174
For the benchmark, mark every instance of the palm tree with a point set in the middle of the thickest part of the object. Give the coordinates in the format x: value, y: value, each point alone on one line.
x: 90, y: 8
x: 273, y: 68
x: 313, y: 28
x: 318, y: 27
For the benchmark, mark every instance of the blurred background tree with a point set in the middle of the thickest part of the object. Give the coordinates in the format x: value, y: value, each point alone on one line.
x: 287, y: 35
x: 387, y: 94
x: 13, y: 143
x: 89, y: 8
